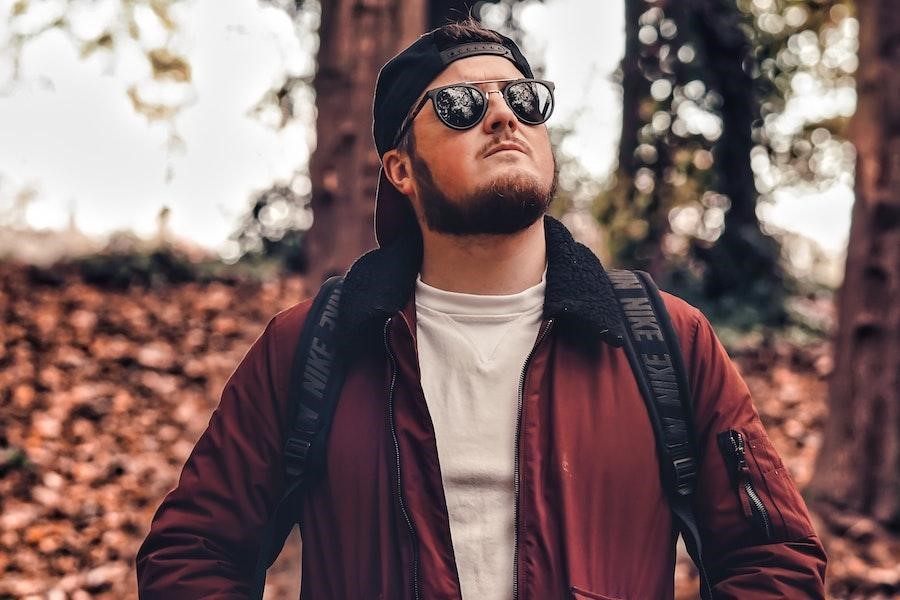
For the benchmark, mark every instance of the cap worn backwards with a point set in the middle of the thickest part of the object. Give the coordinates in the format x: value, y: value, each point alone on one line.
x: 400, y: 83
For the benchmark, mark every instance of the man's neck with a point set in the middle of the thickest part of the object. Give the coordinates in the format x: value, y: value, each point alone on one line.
x: 485, y: 264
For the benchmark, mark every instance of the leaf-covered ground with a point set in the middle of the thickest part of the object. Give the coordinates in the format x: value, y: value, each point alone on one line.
x: 103, y: 394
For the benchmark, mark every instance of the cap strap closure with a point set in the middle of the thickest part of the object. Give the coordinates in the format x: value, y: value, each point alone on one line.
x: 474, y: 48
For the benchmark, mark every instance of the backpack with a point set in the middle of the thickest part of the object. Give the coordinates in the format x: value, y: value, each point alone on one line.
x: 653, y: 353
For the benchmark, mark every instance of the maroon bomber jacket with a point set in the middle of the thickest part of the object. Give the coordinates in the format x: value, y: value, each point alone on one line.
x: 592, y: 519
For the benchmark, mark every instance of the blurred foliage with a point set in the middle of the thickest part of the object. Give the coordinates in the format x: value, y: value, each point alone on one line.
x: 711, y: 127
x: 152, y: 27
x: 802, y: 48
x: 274, y: 226
x: 99, y: 30
x: 127, y: 261
x: 120, y: 270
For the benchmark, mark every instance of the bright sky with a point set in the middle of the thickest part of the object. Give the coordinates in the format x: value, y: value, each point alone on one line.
x: 69, y: 130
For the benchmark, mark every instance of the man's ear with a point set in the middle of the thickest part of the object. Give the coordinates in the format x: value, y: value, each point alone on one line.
x: 398, y: 170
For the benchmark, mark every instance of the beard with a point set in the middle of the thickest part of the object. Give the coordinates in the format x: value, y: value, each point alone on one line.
x: 509, y: 204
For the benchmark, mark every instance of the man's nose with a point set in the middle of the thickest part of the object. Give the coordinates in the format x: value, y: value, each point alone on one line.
x: 499, y: 114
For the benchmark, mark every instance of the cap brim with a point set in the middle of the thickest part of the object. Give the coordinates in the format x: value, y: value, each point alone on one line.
x: 393, y: 212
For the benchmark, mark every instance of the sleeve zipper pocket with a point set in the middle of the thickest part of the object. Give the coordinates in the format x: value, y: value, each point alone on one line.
x: 731, y: 444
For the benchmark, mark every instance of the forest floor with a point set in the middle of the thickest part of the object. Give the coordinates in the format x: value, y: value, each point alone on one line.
x: 104, y: 392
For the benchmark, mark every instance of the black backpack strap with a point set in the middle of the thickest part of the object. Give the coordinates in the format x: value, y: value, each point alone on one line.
x: 654, y: 354
x: 314, y: 391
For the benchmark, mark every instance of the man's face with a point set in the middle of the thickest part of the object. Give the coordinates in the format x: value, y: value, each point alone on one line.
x: 461, y: 184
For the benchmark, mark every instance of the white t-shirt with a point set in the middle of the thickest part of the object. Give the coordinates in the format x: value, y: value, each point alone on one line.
x: 472, y: 350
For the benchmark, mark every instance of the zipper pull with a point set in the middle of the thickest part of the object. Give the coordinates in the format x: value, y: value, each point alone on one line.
x: 731, y: 443
x: 737, y: 441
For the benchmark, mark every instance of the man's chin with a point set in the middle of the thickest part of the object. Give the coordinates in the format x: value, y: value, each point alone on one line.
x: 497, y: 210
x: 511, y: 201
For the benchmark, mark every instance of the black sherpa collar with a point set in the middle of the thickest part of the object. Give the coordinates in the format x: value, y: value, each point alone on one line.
x: 381, y: 282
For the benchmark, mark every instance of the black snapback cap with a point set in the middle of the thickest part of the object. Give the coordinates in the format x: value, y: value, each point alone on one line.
x: 400, y: 83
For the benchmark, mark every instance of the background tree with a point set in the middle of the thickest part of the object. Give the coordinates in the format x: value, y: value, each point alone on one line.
x: 167, y: 67
x: 355, y: 40
x: 742, y: 264
x: 858, y: 469
x: 704, y: 84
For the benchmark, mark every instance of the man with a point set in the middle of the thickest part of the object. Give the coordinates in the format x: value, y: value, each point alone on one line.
x: 490, y: 441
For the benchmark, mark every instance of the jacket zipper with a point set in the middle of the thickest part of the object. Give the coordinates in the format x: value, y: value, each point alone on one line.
x: 409, y: 523
x: 521, y: 411
x: 758, y: 512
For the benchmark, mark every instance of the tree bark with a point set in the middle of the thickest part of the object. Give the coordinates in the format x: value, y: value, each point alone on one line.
x: 643, y: 250
x: 743, y: 257
x: 859, y: 466
x: 356, y: 38
x: 634, y: 88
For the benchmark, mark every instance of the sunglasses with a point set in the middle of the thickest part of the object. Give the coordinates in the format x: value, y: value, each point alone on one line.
x: 463, y: 105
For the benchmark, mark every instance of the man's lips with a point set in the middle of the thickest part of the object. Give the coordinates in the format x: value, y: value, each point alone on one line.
x: 504, y: 146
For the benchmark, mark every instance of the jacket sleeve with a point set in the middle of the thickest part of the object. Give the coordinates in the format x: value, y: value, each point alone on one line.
x: 757, y: 536
x: 204, y: 538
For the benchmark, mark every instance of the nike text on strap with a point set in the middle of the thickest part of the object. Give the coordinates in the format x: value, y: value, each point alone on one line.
x: 315, y: 387
x: 651, y: 345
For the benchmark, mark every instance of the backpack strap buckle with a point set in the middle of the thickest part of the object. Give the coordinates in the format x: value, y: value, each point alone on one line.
x: 685, y: 475
x: 296, y: 448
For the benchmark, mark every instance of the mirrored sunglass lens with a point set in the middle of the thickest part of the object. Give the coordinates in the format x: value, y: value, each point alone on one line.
x: 531, y: 101
x: 459, y: 106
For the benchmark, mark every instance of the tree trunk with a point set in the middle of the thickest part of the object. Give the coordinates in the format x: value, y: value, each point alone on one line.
x: 642, y: 250
x: 634, y: 88
x: 859, y: 466
x: 743, y: 262
x: 356, y: 38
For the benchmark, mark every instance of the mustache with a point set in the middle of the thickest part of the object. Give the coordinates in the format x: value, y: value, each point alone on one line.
x: 496, y: 140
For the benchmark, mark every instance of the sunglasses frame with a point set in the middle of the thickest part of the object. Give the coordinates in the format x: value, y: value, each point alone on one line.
x: 432, y: 93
